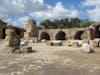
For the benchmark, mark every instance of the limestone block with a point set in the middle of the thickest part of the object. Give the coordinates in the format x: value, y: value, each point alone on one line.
x: 26, y: 49
x: 74, y: 43
x: 96, y: 42
x: 87, y: 48
x: 56, y: 43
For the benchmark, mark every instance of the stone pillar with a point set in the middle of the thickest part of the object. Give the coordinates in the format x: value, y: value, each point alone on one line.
x: 91, y: 32
x: 11, y: 39
x: 31, y: 30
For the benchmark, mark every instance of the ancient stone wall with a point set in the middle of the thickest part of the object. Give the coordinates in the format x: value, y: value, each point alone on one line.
x: 31, y: 30
x: 64, y: 34
x: 11, y: 38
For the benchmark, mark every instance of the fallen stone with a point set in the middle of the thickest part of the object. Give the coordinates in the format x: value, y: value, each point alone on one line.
x: 96, y: 42
x: 56, y: 43
x: 87, y: 48
x: 24, y: 43
x: 74, y: 43
x: 25, y: 49
x: 43, y: 40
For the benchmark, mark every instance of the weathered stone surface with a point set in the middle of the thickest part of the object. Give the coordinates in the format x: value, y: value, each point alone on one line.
x: 76, y: 43
x: 96, y: 42
x: 87, y: 48
x: 56, y: 43
x: 23, y: 42
x: 64, y: 34
x: 11, y: 38
x: 43, y: 40
x: 31, y: 29
x: 26, y: 49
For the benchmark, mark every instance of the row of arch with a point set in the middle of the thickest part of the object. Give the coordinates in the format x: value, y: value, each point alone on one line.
x: 60, y: 36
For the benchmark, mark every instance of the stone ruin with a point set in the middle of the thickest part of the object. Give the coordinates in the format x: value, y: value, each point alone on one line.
x: 31, y: 30
x: 12, y: 39
x: 34, y: 32
x: 12, y: 42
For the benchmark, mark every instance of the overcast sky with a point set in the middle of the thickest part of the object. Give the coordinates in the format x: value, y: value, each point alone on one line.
x: 17, y: 12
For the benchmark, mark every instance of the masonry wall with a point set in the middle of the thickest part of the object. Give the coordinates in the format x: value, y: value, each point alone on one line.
x: 70, y: 33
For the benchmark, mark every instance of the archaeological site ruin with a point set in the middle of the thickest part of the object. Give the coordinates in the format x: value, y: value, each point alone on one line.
x: 34, y: 50
x: 32, y: 31
x: 12, y: 35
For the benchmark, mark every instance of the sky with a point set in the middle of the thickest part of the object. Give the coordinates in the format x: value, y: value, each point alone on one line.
x: 17, y: 12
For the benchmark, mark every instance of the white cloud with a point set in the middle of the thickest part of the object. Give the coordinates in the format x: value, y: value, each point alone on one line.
x: 20, y: 21
x: 91, y: 3
x: 7, y: 8
x: 57, y: 12
x: 94, y: 13
x: 34, y: 8
x: 17, y: 21
x: 19, y: 7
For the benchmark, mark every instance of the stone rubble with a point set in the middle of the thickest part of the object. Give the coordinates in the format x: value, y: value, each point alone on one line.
x: 87, y: 48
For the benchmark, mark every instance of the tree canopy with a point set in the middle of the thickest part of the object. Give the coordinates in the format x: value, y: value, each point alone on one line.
x: 65, y: 23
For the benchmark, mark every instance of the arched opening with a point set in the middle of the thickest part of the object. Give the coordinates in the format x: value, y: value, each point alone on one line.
x: 60, y: 36
x: 4, y: 33
x: 97, y: 32
x: 78, y: 35
x: 44, y: 35
x: 18, y: 32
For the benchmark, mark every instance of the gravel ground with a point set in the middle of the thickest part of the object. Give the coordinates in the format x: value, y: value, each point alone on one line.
x: 50, y: 60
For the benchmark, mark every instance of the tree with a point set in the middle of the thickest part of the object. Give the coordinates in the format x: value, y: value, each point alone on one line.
x: 85, y: 23
x: 65, y: 23
x: 46, y: 23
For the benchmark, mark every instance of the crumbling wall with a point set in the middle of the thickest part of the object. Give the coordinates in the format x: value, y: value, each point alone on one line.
x: 31, y: 30
x: 94, y: 30
x: 11, y: 38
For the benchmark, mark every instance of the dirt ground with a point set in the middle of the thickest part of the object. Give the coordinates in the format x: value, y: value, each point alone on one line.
x: 50, y: 60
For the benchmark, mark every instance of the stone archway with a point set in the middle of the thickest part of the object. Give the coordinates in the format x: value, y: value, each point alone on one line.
x: 97, y: 32
x: 18, y: 32
x: 4, y: 33
x: 44, y: 35
x: 60, y: 36
x: 78, y: 34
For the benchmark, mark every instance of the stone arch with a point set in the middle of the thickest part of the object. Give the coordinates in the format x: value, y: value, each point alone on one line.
x: 78, y: 34
x: 97, y: 31
x: 3, y: 33
x: 18, y: 32
x: 44, y: 35
x: 60, y: 36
